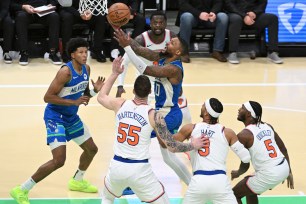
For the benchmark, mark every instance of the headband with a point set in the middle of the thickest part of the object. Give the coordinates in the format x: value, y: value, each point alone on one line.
x: 248, y: 106
x: 210, y: 110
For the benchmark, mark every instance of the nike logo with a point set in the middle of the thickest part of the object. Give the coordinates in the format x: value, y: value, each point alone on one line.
x: 75, y: 77
x: 149, y: 45
x: 285, y: 15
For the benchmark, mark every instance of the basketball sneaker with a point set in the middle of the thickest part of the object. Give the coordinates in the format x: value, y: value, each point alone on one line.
x: 81, y: 186
x: 21, y: 196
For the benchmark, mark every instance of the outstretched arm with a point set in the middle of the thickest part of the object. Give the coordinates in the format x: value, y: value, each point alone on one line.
x: 173, y: 145
x: 125, y: 41
x: 103, y: 97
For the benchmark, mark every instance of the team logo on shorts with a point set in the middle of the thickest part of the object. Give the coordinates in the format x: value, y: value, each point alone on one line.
x: 52, y: 126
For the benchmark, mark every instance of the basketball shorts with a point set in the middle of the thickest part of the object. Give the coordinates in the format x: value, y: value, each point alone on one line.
x: 209, y: 189
x: 268, y: 178
x: 138, y: 176
x: 173, y: 120
x: 60, y: 130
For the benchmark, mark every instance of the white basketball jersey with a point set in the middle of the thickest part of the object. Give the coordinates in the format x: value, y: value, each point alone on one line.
x: 214, y: 157
x: 133, y: 131
x: 264, y: 151
x: 156, y: 47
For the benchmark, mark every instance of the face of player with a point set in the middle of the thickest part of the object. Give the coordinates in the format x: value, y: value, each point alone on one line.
x: 173, y: 47
x: 80, y: 55
x: 158, y: 25
x: 242, y: 113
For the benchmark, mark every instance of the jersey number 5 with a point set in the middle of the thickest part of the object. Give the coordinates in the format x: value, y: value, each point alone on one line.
x: 128, y: 133
x: 270, y: 147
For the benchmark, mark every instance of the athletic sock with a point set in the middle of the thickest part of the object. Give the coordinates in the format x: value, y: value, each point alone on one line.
x: 79, y: 175
x: 28, y: 185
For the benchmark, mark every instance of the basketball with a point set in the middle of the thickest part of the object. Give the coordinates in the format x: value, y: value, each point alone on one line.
x: 118, y: 14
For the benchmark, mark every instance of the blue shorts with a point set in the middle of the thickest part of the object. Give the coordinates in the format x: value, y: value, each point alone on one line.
x: 173, y: 120
x: 63, y: 129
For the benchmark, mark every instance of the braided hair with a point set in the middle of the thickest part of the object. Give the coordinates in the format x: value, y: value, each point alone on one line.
x: 217, y: 106
x: 258, y: 111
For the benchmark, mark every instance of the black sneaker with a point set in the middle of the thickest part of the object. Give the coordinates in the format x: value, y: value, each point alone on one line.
x: 54, y: 58
x: 99, y: 56
x: 6, y: 58
x: 24, y: 58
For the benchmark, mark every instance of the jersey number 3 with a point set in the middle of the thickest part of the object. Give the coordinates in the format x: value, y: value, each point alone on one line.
x: 203, y: 152
x: 128, y: 133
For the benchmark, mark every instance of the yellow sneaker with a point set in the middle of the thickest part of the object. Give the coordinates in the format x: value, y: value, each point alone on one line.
x: 21, y: 196
x: 82, y: 186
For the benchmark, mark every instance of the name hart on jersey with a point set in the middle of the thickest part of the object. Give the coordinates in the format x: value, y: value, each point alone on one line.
x: 263, y: 134
x: 79, y: 87
x: 132, y: 115
x: 208, y: 133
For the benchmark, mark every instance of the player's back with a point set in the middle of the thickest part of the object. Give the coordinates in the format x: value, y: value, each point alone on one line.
x: 213, y: 157
x: 133, y: 131
x: 264, y: 152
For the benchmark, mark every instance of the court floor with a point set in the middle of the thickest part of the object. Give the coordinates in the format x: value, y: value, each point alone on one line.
x: 281, y: 89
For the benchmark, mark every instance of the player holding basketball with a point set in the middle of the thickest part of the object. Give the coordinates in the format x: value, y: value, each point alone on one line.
x: 209, y: 182
x: 269, y: 156
x: 168, y: 75
x: 134, y: 124
x: 68, y: 90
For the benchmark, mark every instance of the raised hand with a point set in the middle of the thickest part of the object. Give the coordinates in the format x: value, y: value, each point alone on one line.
x: 118, y: 68
x: 200, y: 142
x: 98, y: 84
x: 122, y: 38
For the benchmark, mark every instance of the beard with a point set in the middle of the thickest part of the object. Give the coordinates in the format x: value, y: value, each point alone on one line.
x: 241, y: 117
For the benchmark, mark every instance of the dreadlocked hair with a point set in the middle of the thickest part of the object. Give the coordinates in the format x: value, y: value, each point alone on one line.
x: 217, y: 106
x: 258, y: 111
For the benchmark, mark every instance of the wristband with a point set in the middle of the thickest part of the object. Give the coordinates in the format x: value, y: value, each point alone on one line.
x: 92, y: 92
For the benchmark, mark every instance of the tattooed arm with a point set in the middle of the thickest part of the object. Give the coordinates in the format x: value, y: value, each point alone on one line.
x: 125, y: 40
x: 167, y: 137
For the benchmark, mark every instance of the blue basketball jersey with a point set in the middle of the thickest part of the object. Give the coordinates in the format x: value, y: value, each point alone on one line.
x: 74, y: 89
x: 167, y: 94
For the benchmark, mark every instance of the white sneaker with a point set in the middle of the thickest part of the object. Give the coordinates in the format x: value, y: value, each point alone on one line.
x: 273, y: 57
x: 233, y: 58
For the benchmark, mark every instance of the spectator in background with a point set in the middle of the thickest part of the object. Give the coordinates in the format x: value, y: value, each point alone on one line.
x: 251, y: 14
x: 7, y: 27
x: 206, y: 14
x: 70, y: 16
x: 24, y: 15
x: 138, y: 21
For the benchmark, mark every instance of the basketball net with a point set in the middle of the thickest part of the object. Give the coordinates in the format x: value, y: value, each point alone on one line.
x: 95, y: 7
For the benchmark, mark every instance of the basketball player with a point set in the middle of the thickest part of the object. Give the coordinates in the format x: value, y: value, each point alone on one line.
x: 134, y: 124
x: 168, y: 73
x: 68, y: 90
x: 269, y: 156
x: 209, y: 182
x: 154, y: 39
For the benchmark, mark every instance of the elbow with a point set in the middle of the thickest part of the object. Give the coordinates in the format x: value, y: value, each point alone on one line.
x: 101, y: 99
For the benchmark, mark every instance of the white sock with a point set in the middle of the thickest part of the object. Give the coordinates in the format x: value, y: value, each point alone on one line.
x: 115, y: 53
x: 79, y: 174
x: 28, y: 185
x: 176, y: 164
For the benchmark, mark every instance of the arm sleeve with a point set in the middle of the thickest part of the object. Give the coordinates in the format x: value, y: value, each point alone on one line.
x: 125, y: 63
x: 139, y: 64
x: 241, y: 152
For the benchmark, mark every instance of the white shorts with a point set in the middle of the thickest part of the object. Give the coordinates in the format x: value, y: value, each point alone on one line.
x: 209, y: 188
x: 78, y: 140
x: 138, y: 176
x: 268, y: 178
